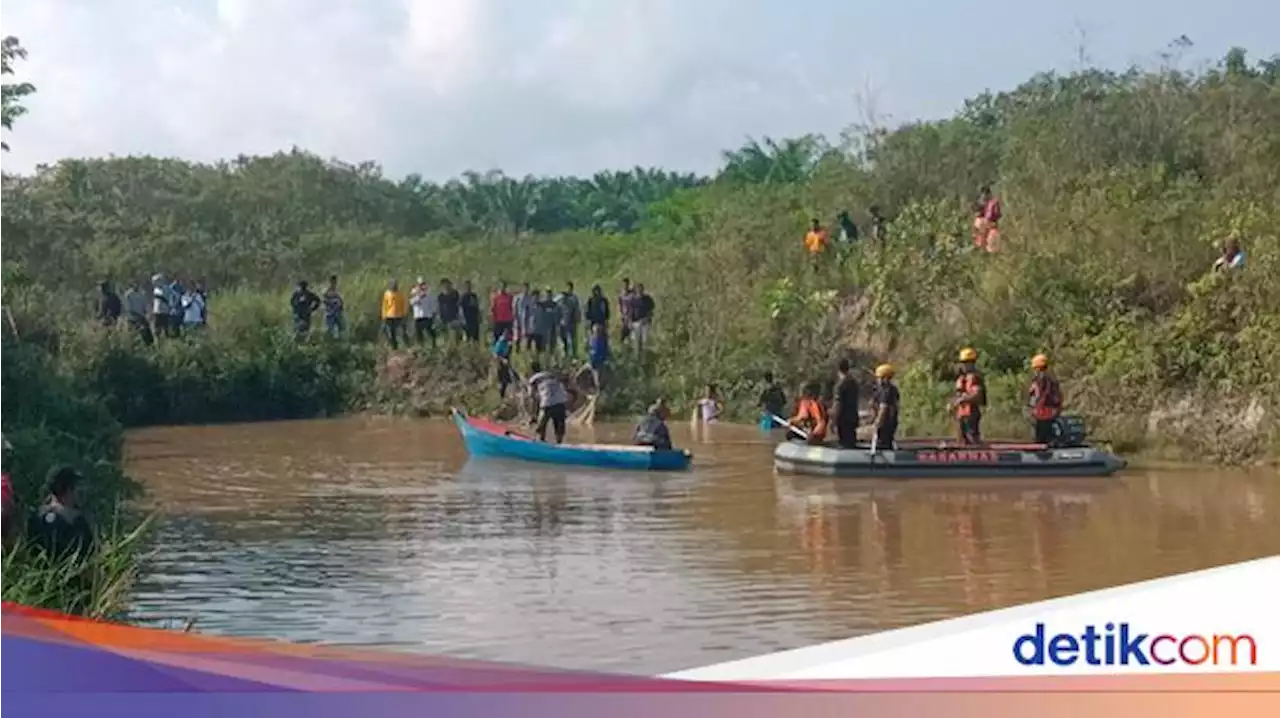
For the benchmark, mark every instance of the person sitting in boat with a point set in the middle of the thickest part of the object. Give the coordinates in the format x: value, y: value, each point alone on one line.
x: 811, y: 415
x: 884, y: 407
x: 652, y: 429
x: 969, y: 399
x: 553, y: 401
x: 1044, y: 399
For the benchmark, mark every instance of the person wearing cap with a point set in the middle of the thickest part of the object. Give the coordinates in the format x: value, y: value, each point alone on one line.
x: 969, y: 399
x: 884, y: 407
x: 1044, y: 399
x: 10, y: 507
x: 425, y: 306
x: 60, y: 526
x: 652, y: 429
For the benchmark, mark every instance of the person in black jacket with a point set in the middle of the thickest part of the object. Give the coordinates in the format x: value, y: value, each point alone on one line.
x: 304, y: 303
x: 449, y: 301
x: 469, y: 306
x: 59, y: 527
x: 597, y: 312
x: 109, y: 307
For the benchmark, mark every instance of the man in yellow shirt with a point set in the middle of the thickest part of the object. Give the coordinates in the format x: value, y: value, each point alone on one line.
x: 815, y: 241
x: 395, y: 307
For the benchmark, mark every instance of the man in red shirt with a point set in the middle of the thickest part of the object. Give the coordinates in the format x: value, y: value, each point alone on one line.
x: 502, y: 310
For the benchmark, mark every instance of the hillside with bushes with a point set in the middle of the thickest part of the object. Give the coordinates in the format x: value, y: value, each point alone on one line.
x: 1117, y: 189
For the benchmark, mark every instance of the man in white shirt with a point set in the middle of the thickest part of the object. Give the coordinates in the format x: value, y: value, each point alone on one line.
x: 160, y: 309
x: 553, y: 401
x: 425, y: 307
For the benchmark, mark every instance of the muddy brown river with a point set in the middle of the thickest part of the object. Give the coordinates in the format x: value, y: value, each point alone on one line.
x: 381, y: 532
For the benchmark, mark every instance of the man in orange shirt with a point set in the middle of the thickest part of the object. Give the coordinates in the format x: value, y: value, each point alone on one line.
x: 811, y: 415
x: 815, y: 240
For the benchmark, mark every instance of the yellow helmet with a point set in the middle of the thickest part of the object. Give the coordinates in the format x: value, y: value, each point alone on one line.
x: 1039, y: 361
x: 884, y: 371
x: 968, y: 354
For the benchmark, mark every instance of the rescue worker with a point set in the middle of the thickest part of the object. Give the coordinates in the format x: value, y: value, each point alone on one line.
x: 884, y: 407
x: 1044, y: 399
x: 811, y: 415
x: 970, y: 398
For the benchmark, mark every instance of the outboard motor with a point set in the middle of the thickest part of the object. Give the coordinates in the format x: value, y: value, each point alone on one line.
x: 1068, y: 431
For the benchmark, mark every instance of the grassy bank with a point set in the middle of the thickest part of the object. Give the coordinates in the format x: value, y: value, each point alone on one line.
x: 1116, y: 189
x: 50, y: 423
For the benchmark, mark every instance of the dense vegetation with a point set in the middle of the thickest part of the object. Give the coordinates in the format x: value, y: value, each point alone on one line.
x: 1117, y: 188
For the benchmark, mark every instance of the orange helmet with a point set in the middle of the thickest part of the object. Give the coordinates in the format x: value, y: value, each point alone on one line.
x: 1039, y: 361
x: 968, y: 354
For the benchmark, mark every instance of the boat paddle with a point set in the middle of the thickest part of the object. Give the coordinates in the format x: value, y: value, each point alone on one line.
x: 798, y: 431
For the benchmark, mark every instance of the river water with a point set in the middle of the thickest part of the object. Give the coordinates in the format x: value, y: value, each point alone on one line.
x: 380, y: 532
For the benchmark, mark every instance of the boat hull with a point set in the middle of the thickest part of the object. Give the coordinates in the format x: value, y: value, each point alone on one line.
x: 487, y: 440
x: 980, y: 462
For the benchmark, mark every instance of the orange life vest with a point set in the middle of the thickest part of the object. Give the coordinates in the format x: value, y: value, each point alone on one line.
x: 970, y: 385
x: 811, y: 416
x: 1046, y: 398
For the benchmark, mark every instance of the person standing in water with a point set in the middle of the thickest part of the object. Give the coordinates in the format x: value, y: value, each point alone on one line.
x: 709, y: 407
x: 773, y: 400
x: 553, y: 401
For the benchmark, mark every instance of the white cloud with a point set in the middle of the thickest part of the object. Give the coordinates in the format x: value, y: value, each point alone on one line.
x: 544, y: 86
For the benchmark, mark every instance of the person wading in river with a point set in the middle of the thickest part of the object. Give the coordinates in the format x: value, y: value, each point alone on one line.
x: 553, y: 401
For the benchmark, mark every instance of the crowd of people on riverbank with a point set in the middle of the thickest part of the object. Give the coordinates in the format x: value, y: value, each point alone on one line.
x: 171, y: 309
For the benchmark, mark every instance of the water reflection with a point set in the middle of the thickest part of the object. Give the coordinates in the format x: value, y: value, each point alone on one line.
x: 381, y: 532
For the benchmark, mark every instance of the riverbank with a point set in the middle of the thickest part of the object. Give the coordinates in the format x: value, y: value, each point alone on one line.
x: 50, y: 423
x: 1110, y: 226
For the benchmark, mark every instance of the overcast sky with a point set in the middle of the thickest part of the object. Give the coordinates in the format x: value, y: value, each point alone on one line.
x: 550, y: 86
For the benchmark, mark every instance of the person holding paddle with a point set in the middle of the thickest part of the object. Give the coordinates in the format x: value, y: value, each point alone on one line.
x: 553, y: 401
x: 811, y: 415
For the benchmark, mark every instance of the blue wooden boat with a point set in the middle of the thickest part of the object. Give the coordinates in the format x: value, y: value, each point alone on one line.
x: 488, y: 439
